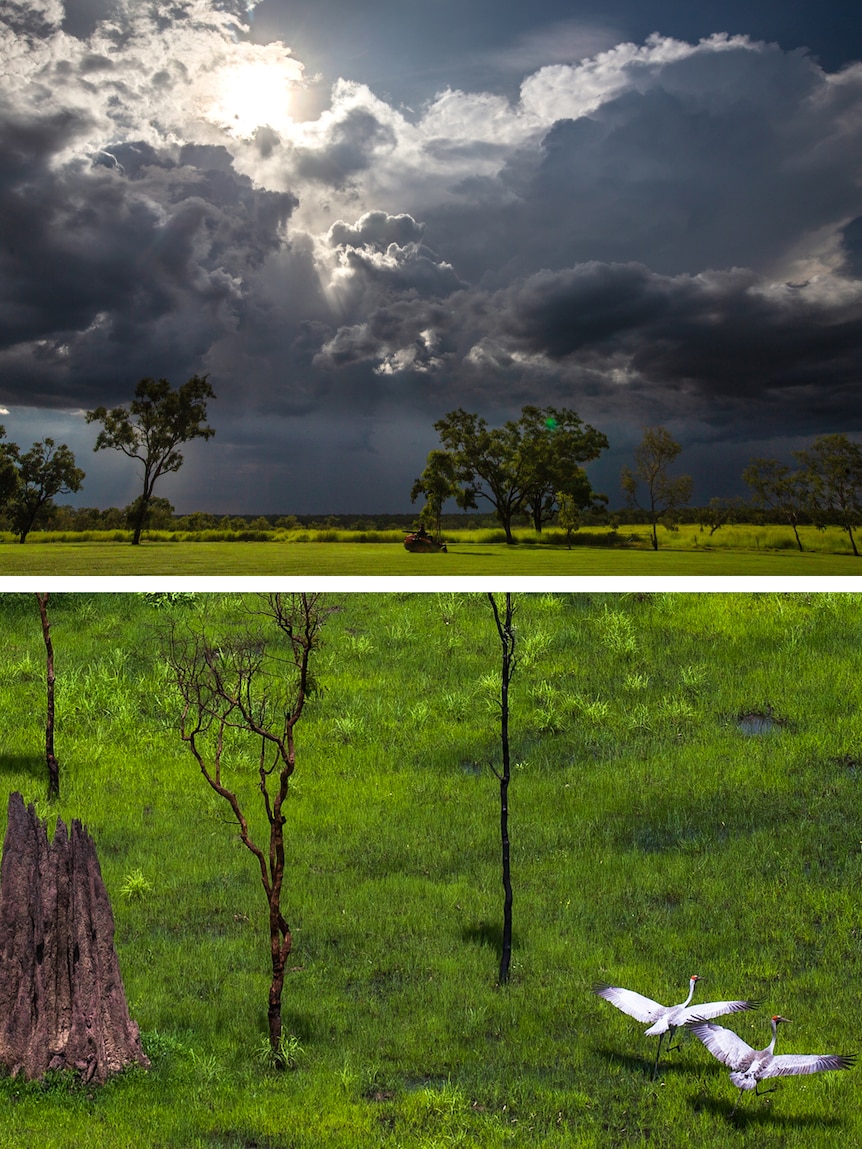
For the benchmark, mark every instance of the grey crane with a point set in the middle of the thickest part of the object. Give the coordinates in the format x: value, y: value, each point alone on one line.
x: 666, y: 1018
x: 751, y: 1066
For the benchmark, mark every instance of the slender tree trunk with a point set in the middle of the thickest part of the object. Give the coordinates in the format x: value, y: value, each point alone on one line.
x: 852, y: 540
x: 796, y: 533
x: 280, y: 943
x: 654, y: 536
x: 507, y: 641
x: 50, y: 758
x: 139, y: 523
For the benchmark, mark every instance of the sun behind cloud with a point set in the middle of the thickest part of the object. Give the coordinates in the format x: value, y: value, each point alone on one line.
x: 245, y: 95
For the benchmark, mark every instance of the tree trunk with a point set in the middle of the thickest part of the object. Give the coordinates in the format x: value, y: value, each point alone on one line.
x: 62, y: 1002
x: 139, y: 524
x: 50, y: 758
x: 280, y: 942
x: 507, y: 642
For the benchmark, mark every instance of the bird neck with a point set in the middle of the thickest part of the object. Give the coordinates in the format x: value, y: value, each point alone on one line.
x: 771, y: 1046
x: 687, y: 1001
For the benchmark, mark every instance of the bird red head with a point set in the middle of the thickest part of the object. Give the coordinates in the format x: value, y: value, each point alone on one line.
x: 694, y: 977
x: 777, y: 1018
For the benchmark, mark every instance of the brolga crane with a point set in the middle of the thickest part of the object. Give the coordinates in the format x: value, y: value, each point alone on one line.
x: 751, y: 1066
x: 666, y: 1018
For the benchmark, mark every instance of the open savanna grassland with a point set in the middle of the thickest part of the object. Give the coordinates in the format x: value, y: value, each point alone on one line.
x: 688, y: 552
x: 652, y: 838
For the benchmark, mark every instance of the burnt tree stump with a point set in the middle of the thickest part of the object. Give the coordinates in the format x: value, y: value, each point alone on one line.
x: 62, y: 1001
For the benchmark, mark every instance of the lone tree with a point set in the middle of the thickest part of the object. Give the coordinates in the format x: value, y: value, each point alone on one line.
x: 521, y: 465
x: 244, y: 694
x: 151, y: 429
x: 832, y: 470
x: 62, y: 1002
x: 665, y: 494
x: 46, y: 470
x: 779, y: 489
x: 507, y: 668
x: 50, y: 757
x: 437, y: 483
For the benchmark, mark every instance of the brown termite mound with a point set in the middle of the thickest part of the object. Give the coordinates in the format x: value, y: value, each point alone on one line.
x: 62, y: 1002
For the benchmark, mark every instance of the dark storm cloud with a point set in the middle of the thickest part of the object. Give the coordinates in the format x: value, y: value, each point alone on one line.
x: 350, y: 148
x: 134, y: 250
x: 376, y: 229
x: 663, y: 227
x: 725, y: 339
x: 714, y: 160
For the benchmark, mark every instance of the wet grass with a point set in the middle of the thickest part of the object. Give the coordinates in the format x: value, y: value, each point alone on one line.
x: 652, y: 838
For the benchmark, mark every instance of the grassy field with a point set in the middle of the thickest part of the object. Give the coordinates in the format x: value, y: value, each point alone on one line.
x: 652, y: 838
x: 362, y: 559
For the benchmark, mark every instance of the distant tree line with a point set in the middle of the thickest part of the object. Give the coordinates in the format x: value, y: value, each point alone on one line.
x: 530, y: 470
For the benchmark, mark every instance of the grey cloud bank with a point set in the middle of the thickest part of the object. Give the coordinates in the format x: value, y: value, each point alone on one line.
x: 661, y: 230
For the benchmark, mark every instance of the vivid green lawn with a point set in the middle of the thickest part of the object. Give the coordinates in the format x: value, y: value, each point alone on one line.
x: 96, y: 559
x: 651, y: 839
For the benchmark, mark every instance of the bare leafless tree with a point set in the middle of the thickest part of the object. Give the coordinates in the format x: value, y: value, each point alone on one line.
x: 506, y: 632
x: 50, y: 757
x: 248, y: 686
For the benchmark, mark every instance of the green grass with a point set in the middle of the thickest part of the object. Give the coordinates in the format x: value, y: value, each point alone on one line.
x: 651, y: 839
x: 348, y: 559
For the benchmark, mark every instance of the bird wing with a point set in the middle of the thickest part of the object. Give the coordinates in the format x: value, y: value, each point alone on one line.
x: 713, y: 1009
x: 634, y: 1004
x: 787, y: 1063
x: 722, y: 1043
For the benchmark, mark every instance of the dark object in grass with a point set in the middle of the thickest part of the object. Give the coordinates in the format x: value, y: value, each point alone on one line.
x: 758, y: 723
x: 62, y: 1001
x: 421, y: 543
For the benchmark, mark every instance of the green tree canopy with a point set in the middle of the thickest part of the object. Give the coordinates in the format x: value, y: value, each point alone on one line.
x: 8, y: 469
x: 665, y: 494
x: 46, y: 470
x: 152, y: 427
x: 832, y: 471
x: 519, y: 466
x: 783, y: 491
x: 438, y: 482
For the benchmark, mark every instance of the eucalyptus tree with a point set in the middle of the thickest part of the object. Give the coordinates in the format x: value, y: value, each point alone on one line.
x: 554, y: 442
x: 521, y: 465
x: 665, y: 493
x: 8, y: 470
x: 437, y: 483
x: 779, y: 489
x: 46, y: 470
x: 832, y: 468
x: 243, y: 694
x: 152, y: 427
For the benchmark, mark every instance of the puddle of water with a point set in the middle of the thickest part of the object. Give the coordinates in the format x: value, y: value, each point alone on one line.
x: 757, y: 724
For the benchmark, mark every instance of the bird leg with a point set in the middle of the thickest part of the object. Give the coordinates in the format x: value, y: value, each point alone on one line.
x: 671, y: 1032
x: 657, y: 1052
x: 760, y: 1092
